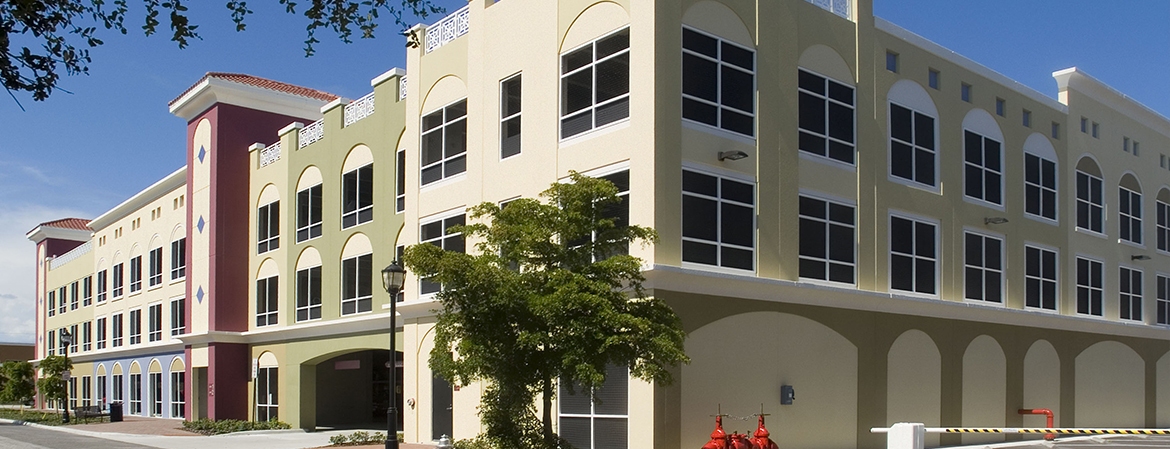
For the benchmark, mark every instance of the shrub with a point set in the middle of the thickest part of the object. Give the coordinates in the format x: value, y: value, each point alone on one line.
x: 359, y: 438
x: 208, y: 427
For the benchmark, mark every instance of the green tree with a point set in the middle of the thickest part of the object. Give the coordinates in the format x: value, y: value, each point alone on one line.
x: 548, y: 295
x: 19, y: 385
x: 50, y: 384
x: 39, y: 37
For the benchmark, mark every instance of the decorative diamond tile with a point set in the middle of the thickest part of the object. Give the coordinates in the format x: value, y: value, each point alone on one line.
x: 199, y: 295
x: 202, y: 152
x: 200, y: 224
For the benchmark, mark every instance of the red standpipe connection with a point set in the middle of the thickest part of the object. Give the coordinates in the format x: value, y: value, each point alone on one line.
x: 1041, y: 411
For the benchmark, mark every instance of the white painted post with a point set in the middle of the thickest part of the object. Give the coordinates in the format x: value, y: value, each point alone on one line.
x: 906, y: 435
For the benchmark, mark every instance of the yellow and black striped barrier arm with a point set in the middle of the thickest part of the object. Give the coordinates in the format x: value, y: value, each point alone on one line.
x: 1039, y: 430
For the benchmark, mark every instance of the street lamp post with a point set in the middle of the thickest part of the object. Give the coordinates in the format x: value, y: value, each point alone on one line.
x: 393, y: 276
x: 66, y: 340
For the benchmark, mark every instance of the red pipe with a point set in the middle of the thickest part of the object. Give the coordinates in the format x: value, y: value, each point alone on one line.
x: 1041, y: 411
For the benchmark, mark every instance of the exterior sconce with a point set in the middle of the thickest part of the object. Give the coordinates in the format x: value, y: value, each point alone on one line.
x: 994, y: 220
x: 787, y: 394
x: 1139, y: 257
x: 731, y: 155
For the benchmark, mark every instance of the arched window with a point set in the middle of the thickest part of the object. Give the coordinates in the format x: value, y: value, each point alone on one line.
x: 1090, y: 197
x: 309, y: 204
x: 268, y: 220
x: 1040, y: 178
x: 982, y: 158
x: 827, y: 114
x: 357, y: 187
x: 357, y: 269
x: 719, y: 69
x: 267, y: 293
x: 1129, y: 209
x: 913, y: 125
x: 308, y: 285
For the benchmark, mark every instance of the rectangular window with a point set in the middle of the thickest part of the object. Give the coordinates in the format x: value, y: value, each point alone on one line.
x: 73, y: 296
x: 1039, y: 186
x: 178, y: 394
x: 51, y: 337
x: 156, y: 397
x: 1090, y: 286
x: 136, y: 394
x: 718, y: 82
x: 76, y: 338
x: 718, y: 221
x: 154, y: 322
x: 179, y: 316
x: 156, y: 267
x: 1040, y: 278
x: 87, y: 291
x: 117, y: 388
x: 891, y: 61
x: 1137, y: 148
x: 510, y: 117
x: 932, y: 78
x: 1055, y: 130
x: 86, y: 391
x: 356, y: 284
x: 1027, y: 118
x: 72, y: 392
x: 101, y: 390
x: 912, y: 147
x: 179, y: 259
x: 266, y: 301
x: 62, y: 304
x: 983, y: 267
x: 1125, y: 144
x: 400, y: 184
x: 965, y: 92
x: 1163, y: 300
x: 598, y: 420
x: 1000, y: 106
x: 913, y: 255
x: 266, y: 394
x: 116, y: 330
x: 983, y: 169
x: 268, y: 227
x: 52, y: 309
x: 135, y: 274
x: 1130, y: 294
x: 309, y: 294
x: 1129, y: 214
x: 309, y: 213
x: 595, y: 84
x: 135, y: 326
x: 826, y: 117
x: 1090, y: 203
x: 1096, y: 129
x: 827, y: 232
x: 439, y: 233
x: 357, y: 196
x: 444, y: 143
x: 1084, y: 125
x: 102, y: 276
x: 86, y: 336
x: 101, y: 333
x: 1163, y: 226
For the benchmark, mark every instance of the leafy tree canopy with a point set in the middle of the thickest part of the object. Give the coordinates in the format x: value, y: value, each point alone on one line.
x: 40, y: 37
x: 549, y: 294
x: 19, y: 383
x: 53, y: 369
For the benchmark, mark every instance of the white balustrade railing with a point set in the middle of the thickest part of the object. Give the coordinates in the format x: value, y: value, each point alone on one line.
x: 843, y: 8
x: 312, y: 133
x: 270, y: 154
x: 70, y: 256
x: 359, y: 109
x: 450, y: 28
x: 402, y: 88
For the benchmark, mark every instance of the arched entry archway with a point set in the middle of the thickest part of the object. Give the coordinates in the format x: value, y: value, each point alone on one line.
x: 350, y: 389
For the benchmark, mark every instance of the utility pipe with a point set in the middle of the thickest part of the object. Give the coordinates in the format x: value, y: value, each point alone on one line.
x: 1041, y: 411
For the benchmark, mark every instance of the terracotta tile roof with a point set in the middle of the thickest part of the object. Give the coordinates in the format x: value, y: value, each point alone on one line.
x: 80, y: 224
x: 263, y: 83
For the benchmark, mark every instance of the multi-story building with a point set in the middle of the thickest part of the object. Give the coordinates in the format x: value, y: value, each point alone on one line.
x: 846, y: 210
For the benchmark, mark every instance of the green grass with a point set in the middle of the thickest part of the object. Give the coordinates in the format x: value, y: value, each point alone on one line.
x: 32, y: 416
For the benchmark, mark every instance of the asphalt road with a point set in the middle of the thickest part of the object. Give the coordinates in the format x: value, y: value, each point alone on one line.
x: 13, y: 436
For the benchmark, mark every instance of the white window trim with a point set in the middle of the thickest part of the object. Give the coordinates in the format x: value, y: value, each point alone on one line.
x: 1003, y: 267
x: 297, y: 309
x: 356, y: 212
x: 1140, y: 219
x: 1053, y: 249
x: 256, y: 302
x: 170, y: 328
x: 736, y: 176
x: 842, y: 201
x: 461, y: 210
x: 1041, y: 218
x: 938, y: 254
x: 505, y: 118
x: 298, y: 229
x: 1001, y: 206
x: 827, y: 159
x: 1157, y: 226
x: 1103, y: 205
x: 561, y: 75
x: 937, y: 187
x: 1141, y: 297
x: 1077, y: 285
x: 718, y: 104
x: 1158, y: 274
x: 442, y: 130
x: 161, y: 321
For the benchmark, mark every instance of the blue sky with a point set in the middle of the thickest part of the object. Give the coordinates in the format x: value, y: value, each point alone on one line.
x: 80, y: 154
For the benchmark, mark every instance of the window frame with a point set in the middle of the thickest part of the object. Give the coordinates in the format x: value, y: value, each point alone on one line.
x: 1042, y: 189
x: 890, y: 253
x: 359, y: 210
x: 400, y: 182
x: 506, y: 119
x: 308, y: 228
x: 1126, y: 221
x: 968, y: 266
x: 1100, y: 290
x: 720, y: 176
x: 1135, y: 297
x: 915, y: 148
x: 154, y: 322
x: 178, y: 316
x: 135, y: 323
x: 358, y: 298
x: 102, y: 285
x: 179, y: 259
x: 827, y: 222
x: 1162, y: 225
x: 268, y: 237
x: 311, y: 305
x: 87, y: 291
x: 178, y: 394
x: 117, y: 330
x: 719, y: 67
x: 440, y: 241
x: 826, y: 136
x: 441, y: 129
x: 1041, y: 279
x: 593, y: 414
x: 155, y: 271
x: 267, y: 308
x: 594, y: 104
x: 984, y: 170
x: 1098, y: 207
x: 100, y: 331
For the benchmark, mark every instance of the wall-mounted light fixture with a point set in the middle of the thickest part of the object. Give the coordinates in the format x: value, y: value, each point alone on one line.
x: 731, y: 155
x: 1139, y: 257
x: 994, y: 220
x: 787, y: 394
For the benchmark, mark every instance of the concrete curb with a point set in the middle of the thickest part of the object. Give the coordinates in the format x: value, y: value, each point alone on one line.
x: 66, y: 429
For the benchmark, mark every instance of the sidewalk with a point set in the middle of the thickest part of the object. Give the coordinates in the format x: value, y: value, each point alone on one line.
x: 168, y: 434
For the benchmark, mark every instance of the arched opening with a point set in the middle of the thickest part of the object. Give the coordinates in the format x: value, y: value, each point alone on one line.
x: 267, y: 387
x: 351, y: 389
x: 178, y: 388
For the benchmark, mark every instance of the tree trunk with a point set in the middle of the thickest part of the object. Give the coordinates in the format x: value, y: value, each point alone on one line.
x: 549, y: 440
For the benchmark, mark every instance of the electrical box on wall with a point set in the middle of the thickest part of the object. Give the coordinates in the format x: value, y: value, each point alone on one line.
x: 787, y: 395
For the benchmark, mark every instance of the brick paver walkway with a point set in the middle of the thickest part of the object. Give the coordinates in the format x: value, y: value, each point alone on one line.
x: 137, y: 425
